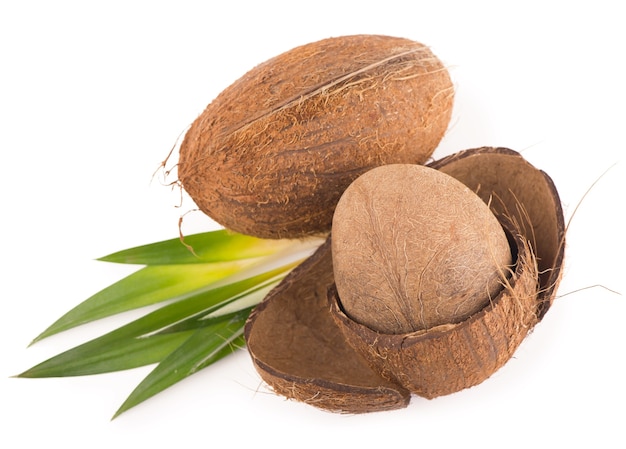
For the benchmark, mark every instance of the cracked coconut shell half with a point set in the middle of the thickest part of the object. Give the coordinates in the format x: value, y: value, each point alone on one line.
x: 305, y: 346
x: 272, y: 153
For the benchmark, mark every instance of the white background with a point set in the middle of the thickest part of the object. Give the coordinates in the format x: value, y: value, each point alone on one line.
x: 94, y: 94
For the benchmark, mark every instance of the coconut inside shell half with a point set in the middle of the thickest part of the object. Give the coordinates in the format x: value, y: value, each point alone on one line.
x: 306, y: 348
x: 450, y: 357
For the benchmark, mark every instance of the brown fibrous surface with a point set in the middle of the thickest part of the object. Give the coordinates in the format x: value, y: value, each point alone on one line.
x: 414, y: 248
x: 272, y: 153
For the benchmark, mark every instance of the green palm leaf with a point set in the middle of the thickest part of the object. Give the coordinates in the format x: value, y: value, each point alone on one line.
x: 206, y: 288
x: 150, y: 285
x: 204, y: 347
x: 108, y: 352
x: 214, y: 246
x: 223, y: 254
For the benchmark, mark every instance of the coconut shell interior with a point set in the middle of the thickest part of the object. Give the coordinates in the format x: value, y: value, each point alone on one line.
x: 303, y: 349
x: 300, y: 352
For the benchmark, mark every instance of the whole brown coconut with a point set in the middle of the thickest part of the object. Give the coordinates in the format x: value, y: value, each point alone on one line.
x: 272, y: 154
x: 435, y: 252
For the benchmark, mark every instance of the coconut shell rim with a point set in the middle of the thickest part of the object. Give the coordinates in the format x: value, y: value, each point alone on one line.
x: 401, y: 394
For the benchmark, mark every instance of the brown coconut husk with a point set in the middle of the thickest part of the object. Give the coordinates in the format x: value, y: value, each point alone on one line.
x: 527, y: 196
x: 272, y: 153
x: 304, y: 346
x: 437, y: 251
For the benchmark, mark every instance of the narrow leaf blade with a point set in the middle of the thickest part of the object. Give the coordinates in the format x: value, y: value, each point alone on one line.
x: 204, y: 347
x: 150, y: 285
x: 87, y: 357
x: 214, y: 246
x: 131, y: 353
x: 217, y: 314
